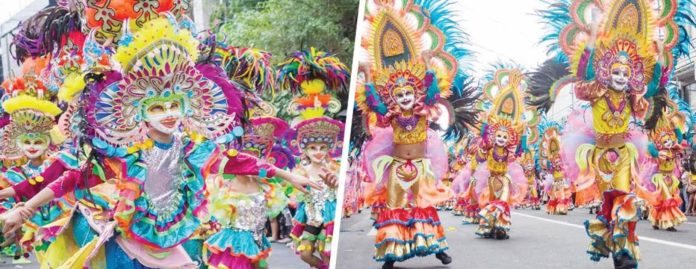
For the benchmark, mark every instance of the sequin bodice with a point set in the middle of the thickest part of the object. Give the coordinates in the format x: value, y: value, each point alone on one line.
x: 250, y: 213
x: 161, y: 188
x: 316, y: 201
x: 405, y: 134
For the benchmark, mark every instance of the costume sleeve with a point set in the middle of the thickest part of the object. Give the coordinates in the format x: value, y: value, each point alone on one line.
x: 432, y: 93
x: 243, y: 164
x: 656, y: 82
x: 585, y: 70
x: 653, y: 150
x: 25, y: 190
x: 72, y: 180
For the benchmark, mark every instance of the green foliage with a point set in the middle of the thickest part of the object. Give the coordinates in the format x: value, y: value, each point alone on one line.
x: 284, y: 26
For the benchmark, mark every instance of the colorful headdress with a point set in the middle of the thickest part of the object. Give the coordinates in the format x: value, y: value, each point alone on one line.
x: 319, y: 130
x: 260, y: 137
x: 250, y: 66
x: 625, y: 38
x: 108, y: 17
x: 400, y: 30
x: 669, y: 122
x: 318, y: 76
x: 31, y: 109
x: 398, y: 33
x: 157, y: 65
x: 551, y: 143
x: 502, y: 98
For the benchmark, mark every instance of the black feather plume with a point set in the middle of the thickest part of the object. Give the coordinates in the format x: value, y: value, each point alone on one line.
x: 541, y: 80
x: 463, y: 110
x: 657, y: 104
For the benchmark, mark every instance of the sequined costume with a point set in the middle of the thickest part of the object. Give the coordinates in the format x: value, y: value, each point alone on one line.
x: 160, y: 187
x: 239, y: 240
x: 32, y: 112
x: 317, y: 77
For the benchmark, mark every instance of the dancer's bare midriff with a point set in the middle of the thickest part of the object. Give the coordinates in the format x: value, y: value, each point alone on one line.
x: 409, y: 151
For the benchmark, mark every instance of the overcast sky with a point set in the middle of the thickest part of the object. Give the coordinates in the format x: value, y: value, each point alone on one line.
x: 503, y: 30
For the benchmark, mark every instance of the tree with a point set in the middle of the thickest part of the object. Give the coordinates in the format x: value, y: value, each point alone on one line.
x: 284, y: 26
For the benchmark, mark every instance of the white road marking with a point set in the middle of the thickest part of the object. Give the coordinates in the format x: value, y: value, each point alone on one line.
x: 641, y: 238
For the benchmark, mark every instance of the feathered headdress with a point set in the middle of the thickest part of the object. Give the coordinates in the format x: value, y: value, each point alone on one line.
x: 315, y: 74
x: 505, y: 93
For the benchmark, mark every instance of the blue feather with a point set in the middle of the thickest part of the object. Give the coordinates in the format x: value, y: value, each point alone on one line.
x: 441, y: 13
x: 556, y: 17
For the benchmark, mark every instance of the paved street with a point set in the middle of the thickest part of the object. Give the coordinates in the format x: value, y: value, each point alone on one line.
x: 282, y: 257
x: 537, y: 240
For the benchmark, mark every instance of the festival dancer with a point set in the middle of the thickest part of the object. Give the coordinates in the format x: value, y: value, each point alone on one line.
x: 161, y: 178
x: 666, y: 150
x: 617, y: 64
x: 466, y: 176
x: 502, y: 181
x: 32, y: 111
x: 407, y: 159
x: 528, y: 163
x: 317, y: 75
x: 241, y: 204
x: 556, y: 185
x: 408, y: 169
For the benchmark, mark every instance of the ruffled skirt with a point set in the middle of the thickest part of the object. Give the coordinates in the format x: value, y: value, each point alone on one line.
x: 405, y: 233
x: 667, y: 214
x: 614, y: 230
x: 495, y: 216
x: 235, y: 249
x: 322, y: 241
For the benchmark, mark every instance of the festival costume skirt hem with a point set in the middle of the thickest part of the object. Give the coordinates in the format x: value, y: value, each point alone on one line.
x: 232, y: 248
x: 613, y: 232
x: 494, y: 216
x: 403, y: 233
x: 667, y: 214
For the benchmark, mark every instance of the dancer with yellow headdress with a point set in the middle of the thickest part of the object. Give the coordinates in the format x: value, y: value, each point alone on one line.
x: 666, y: 151
x: 502, y: 183
x: 405, y: 83
x: 620, y: 53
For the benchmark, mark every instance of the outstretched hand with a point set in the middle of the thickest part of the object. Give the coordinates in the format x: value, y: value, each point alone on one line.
x: 300, y: 182
x: 329, y: 178
x: 13, y: 220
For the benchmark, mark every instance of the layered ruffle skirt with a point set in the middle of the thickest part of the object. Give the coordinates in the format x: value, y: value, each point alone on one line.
x: 235, y: 249
x: 322, y: 241
x: 403, y: 233
x: 495, y: 216
x: 614, y: 230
